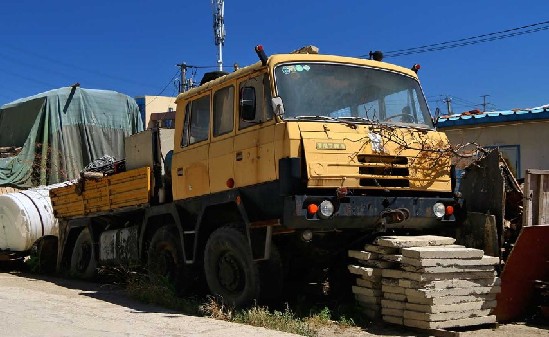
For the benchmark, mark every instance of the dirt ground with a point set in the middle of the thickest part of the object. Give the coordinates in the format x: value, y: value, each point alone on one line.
x: 48, y: 306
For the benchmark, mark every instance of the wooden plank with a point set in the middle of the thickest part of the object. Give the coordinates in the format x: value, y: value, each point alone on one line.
x: 130, y: 188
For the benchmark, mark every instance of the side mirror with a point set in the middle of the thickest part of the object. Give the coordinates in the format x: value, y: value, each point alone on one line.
x: 278, y: 106
x: 247, y: 103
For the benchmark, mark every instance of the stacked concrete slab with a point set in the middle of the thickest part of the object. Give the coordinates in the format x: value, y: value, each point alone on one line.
x: 370, y: 263
x: 437, y: 284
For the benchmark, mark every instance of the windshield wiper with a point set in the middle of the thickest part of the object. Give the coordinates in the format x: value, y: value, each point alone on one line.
x: 322, y: 118
x: 354, y: 119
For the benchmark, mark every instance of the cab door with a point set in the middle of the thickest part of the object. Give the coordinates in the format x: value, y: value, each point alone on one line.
x: 221, y: 147
x: 254, y: 158
x: 190, y: 162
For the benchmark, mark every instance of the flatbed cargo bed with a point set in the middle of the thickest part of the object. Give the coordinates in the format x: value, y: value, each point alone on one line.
x: 102, y: 195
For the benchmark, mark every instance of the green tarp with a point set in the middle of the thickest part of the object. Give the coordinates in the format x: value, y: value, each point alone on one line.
x: 61, y: 131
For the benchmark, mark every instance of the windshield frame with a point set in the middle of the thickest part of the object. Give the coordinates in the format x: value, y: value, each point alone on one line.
x: 415, y: 91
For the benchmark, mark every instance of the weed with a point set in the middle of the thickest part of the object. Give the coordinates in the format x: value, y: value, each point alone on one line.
x: 158, y: 290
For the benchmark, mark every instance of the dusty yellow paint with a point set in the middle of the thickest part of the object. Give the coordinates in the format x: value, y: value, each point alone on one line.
x: 250, y: 156
x: 131, y: 188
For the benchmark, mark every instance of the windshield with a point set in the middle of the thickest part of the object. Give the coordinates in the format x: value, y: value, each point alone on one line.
x: 312, y: 90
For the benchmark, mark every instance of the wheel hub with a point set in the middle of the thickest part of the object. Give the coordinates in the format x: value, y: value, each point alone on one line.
x: 230, y: 272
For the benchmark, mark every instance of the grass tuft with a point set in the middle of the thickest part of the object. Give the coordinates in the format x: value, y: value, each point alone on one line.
x: 159, y: 291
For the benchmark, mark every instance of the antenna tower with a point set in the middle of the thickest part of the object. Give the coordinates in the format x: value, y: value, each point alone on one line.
x: 219, y: 29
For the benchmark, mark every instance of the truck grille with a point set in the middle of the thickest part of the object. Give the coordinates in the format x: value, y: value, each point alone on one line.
x: 383, y: 171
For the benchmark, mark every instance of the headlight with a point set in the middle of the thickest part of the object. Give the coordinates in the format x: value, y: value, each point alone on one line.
x: 326, y: 209
x: 439, y: 209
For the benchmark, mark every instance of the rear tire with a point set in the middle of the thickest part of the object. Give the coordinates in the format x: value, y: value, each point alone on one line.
x: 165, y: 258
x: 83, y: 262
x: 230, y: 270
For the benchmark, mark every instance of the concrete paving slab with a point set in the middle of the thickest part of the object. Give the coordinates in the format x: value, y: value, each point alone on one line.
x: 444, y: 316
x: 423, y: 277
x: 393, y: 304
x: 451, y: 269
x: 366, y: 291
x: 393, y: 319
x: 371, y: 314
x: 381, y: 250
x: 447, y: 284
x: 446, y: 300
x: 377, y: 263
x: 434, y: 309
x: 464, y: 322
x: 391, y: 257
x: 367, y: 299
x: 393, y: 289
x: 365, y: 271
x: 362, y: 255
x: 413, y: 241
x: 440, y: 262
x: 451, y: 292
x: 394, y: 297
x: 368, y: 284
x: 392, y: 312
x: 389, y: 281
x: 442, y: 252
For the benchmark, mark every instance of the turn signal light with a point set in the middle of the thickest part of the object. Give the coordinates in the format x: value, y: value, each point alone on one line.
x: 230, y: 183
x: 312, y: 209
x: 449, y: 210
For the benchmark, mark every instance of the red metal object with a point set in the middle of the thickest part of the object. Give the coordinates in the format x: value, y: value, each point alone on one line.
x: 526, y: 263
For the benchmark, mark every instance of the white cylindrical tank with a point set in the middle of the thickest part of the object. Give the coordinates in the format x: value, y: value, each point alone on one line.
x: 25, y: 217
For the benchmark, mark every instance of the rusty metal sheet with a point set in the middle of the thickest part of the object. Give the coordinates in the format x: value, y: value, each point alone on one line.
x: 526, y: 263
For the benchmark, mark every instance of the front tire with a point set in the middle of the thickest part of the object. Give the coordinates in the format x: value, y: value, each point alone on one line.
x: 83, y: 262
x: 230, y: 270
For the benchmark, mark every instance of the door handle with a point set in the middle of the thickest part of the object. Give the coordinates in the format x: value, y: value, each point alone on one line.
x: 239, y: 156
x: 179, y: 171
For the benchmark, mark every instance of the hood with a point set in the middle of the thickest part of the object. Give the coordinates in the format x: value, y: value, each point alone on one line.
x: 375, y: 157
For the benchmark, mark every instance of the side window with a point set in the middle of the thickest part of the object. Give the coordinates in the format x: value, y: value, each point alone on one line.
x: 263, y: 107
x: 223, y: 111
x: 185, y: 138
x: 197, y: 121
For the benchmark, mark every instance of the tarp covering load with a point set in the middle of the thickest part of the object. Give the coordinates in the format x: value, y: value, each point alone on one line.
x: 61, y: 131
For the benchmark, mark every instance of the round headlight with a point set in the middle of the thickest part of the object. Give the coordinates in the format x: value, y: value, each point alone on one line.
x: 439, y: 209
x: 326, y: 209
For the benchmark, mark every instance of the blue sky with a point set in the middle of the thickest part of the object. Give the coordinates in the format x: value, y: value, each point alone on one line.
x: 133, y: 46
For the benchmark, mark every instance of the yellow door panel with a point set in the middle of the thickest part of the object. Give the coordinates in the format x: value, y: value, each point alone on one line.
x: 190, y: 172
x: 221, y: 168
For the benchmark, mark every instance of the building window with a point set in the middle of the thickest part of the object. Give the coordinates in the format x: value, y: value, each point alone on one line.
x: 511, y: 155
x: 223, y: 111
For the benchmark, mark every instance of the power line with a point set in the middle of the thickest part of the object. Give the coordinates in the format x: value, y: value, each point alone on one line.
x: 69, y: 65
x: 504, y: 34
x: 165, y: 87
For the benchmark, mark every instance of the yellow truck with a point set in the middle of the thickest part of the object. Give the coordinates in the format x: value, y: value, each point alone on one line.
x: 271, y: 173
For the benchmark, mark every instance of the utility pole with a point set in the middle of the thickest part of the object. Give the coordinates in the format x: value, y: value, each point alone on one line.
x: 183, y: 81
x: 484, y: 102
x: 448, y: 101
x: 219, y: 29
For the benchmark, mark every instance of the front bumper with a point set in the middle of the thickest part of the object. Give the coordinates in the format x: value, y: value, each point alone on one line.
x: 366, y: 212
